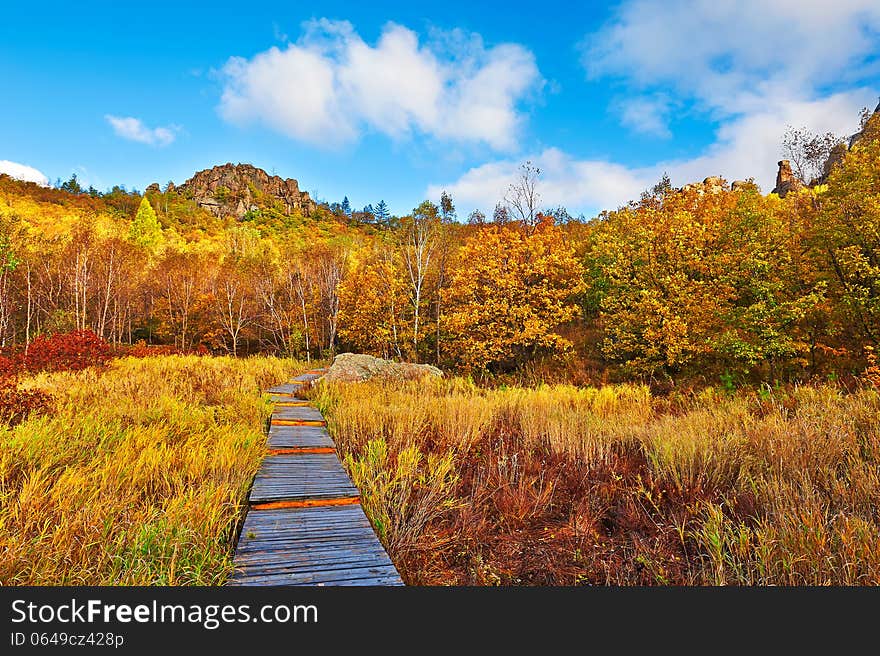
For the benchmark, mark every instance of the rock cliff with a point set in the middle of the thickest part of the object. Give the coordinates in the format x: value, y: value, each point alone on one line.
x: 236, y: 189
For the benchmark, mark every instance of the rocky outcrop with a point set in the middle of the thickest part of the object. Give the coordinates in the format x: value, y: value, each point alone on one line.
x: 854, y: 139
x: 711, y: 185
x: 236, y: 189
x: 743, y: 185
x: 354, y: 367
x: 785, y: 179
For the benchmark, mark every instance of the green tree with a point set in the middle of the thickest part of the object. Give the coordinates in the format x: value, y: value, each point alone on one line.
x: 382, y: 214
x: 72, y: 186
x: 145, y: 230
x: 447, y: 208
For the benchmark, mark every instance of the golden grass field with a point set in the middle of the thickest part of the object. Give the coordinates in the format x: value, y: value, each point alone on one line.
x: 566, y: 485
x: 137, y: 475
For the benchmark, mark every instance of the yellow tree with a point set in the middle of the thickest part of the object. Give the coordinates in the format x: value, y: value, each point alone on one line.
x: 700, y: 277
x: 848, y: 232
x: 371, y: 299
x: 511, y: 292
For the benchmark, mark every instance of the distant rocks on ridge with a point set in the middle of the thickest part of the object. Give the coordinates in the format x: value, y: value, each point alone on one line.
x: 786, y: 180
x: 711, y: 185
x: 236, y: 189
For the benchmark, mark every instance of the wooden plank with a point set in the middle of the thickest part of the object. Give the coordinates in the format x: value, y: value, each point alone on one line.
x: 306, y: 561
x: 293, y: 477
x: 349, y: 575
x: 282, y: 580
x: 287, y: 388
x: 308, y: 377
x: 295, y: 490
x: 302, y: 413
x: 281, y: 437
x: 306, y: 525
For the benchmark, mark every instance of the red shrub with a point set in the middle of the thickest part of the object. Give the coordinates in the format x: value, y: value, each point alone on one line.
x: 9, y: 365
x: 66, y: 352
x: 16, y: 404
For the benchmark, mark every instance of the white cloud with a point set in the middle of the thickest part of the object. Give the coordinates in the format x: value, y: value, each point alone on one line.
x: 23, y: 172
x: 732, y: 58
x: 134, y: 129
x: 745, y: 147
x: 729, y: 54
x: 750, y: 67
x: 330, y: 86
x: 648, y: 115
x: 579, y: 185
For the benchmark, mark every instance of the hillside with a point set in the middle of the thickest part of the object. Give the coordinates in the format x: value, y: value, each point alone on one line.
x: 710, y: 280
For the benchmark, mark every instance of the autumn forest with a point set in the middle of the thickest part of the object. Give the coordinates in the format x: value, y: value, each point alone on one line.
x: 702, y: 284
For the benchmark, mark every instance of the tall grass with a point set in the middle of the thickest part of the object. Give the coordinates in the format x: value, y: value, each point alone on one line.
x: 567, y: 485
x: 137, y: 475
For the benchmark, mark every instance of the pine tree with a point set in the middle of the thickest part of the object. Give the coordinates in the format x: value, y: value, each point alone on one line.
x: 382, y: 213
x: 72, y: 186
x: 346, y: 206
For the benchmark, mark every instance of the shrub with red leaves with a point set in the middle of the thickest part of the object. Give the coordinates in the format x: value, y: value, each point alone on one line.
x: 66, y: 352
x: 60, y: 352
x: 16, y: 404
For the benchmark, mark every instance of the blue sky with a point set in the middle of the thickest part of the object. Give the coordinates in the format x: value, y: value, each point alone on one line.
x: 400, y: 100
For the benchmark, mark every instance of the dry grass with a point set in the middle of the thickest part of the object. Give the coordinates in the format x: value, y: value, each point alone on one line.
x: 139, y: 473
x: 565, y: 485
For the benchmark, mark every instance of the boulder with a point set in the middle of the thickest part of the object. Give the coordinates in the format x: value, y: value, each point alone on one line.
x: 744, y: 185
x: 712, y: 185
x: 356, y: 367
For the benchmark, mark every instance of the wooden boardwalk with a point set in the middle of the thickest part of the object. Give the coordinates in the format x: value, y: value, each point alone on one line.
x: 305, y: 524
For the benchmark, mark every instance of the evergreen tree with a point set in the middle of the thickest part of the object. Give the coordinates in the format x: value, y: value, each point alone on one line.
x: 72, y: 186
x: 346, y: 206
x: 382, y: 214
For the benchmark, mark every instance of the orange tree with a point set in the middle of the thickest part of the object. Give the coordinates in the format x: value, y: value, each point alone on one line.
x: 511, y: 291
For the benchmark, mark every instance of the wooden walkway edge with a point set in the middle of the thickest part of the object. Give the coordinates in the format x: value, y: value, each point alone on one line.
x: 305, y: 524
